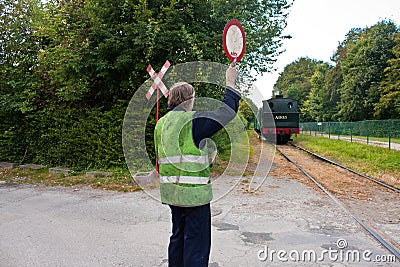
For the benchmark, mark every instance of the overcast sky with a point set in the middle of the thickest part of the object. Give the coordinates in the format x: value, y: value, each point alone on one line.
x: 317, y: 26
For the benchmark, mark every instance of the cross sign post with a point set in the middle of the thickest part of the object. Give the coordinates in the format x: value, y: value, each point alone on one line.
x: 157, y: 84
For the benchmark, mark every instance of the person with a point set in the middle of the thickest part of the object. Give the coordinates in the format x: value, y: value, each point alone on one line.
x: 184, y: 170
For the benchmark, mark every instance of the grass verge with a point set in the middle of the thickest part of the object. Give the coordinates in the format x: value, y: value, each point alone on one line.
x: 370, y: 138
x: 120, y: 181
x: 374, y: 161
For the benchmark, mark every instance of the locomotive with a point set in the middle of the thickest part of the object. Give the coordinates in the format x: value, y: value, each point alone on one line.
x: 277, y: 119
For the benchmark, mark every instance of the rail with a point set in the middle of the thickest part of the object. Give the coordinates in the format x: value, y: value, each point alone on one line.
x: 347, y: 168
x: 372, y: 232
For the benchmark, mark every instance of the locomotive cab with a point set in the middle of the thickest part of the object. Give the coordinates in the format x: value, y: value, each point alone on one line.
x: 278, y: 119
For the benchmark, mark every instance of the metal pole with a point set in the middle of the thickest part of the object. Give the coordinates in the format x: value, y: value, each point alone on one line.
x: 329, y: 129
x: 389, y: 131
x: 157, y: 108
x: 316, y: 130
x: 351, y: 131
x: 322, y: 128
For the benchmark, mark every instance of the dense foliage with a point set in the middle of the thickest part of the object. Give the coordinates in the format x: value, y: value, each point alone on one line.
x: 69, y: 68
x: 362, y: 84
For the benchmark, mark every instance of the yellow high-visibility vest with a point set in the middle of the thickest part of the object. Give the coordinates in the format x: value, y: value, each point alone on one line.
x: 183, y: 168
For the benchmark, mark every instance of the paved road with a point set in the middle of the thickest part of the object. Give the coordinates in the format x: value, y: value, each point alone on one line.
x: 41, y: 226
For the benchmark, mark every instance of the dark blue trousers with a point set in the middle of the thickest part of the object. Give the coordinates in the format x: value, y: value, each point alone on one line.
x: 190, y: 242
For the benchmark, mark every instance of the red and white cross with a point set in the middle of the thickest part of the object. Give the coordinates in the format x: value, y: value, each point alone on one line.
x: 157, y: 77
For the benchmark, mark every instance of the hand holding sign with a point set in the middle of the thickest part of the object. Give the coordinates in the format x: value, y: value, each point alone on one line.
x: 234, y: 40
x: 231, y: 75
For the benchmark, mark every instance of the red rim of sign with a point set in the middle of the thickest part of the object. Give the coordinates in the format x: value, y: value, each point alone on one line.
x: 233, y: 22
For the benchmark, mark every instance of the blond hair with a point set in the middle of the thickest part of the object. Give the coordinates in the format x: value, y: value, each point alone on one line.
x: 179, y: 93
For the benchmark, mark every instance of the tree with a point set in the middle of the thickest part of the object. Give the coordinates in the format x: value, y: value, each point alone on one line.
x: 18, y: 50
x: 263, y: 22
x: 315, y: 106
x: 388, y: 106
x: 70, y: 66
x: 333, y: 81
x: 363, y: 69
x: 294, y: 81
x: 63, y: 32
x: 248, y: 109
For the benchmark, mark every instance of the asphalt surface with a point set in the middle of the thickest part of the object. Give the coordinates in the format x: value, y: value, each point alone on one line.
x: 56, y: 226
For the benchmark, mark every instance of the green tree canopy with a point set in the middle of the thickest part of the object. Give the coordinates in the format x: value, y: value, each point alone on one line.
x: 362, y: 83
x: 70, y: 66
x: 295, y: 80
x: 315, y: 106
x: 388, y: 106
x: 363, y: 70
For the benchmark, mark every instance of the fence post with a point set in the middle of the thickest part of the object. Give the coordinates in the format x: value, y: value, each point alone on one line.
x: 351, y: 131
x: 322, y: 127
x: 316, y: 130
x: 329, y: 130
x: 366, y: 122
x: 319, y: 128
x: 389, y: 130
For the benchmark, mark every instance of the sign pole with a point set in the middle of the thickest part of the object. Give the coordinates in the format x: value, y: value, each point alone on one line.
x: 157, y: 107
x: 157, y: 104
x: 157, y: 86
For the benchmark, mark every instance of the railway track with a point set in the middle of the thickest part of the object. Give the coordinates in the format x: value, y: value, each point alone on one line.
x: 391, y: 245
x: 395, y: 189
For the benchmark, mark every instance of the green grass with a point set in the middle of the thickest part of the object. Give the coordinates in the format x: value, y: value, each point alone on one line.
x: 381, y: 139
x: 371, y: 138
x: 362, y: 157
x: 119, y: 181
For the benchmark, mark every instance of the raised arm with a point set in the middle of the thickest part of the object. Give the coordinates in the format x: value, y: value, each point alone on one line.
x: 207, y: 123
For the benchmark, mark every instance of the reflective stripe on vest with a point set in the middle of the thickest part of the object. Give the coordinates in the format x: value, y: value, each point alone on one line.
x: 184, y: 179
x: 184, y: 159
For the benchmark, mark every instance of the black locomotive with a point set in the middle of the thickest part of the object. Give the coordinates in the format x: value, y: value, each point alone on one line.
x: 277, y: 120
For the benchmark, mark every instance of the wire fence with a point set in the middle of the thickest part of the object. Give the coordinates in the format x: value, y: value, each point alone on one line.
x: 385, y: 133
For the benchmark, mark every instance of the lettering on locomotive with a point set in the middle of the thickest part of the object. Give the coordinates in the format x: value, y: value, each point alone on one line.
x: 281, y: 117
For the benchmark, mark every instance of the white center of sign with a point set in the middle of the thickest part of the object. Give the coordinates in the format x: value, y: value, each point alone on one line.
x: 234, y: 41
